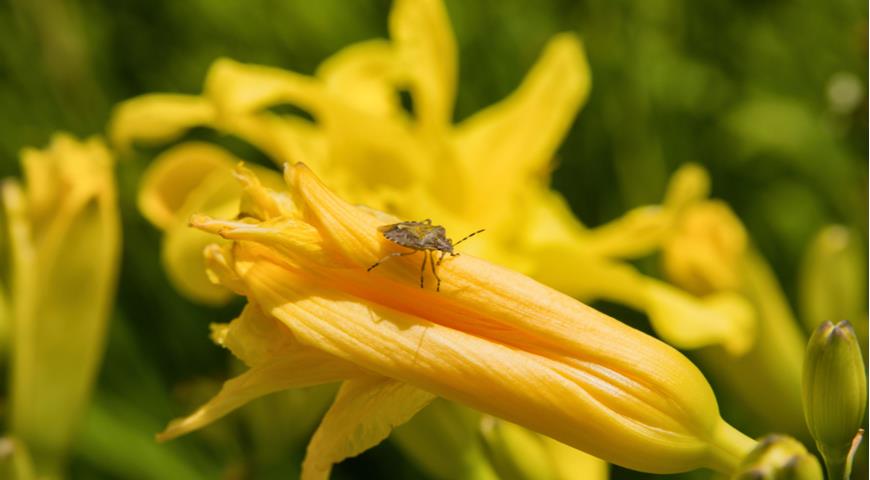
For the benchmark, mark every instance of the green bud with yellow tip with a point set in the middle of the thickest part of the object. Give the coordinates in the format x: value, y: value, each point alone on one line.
x: 779, y: 457
x: 834, y: 393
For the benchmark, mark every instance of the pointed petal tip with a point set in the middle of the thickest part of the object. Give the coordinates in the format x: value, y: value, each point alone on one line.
x: 211, y: 225
x: 245, y: 176
x: 298, y: 175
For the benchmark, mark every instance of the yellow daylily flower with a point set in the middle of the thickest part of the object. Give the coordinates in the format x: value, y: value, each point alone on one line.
x: 64, y: 240
x: 709, y: 253
x: 492, y: 339
x: 489, y: 171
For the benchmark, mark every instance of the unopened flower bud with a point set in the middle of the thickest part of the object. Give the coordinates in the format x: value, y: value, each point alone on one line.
x: 834, y: 391
x: 778, y: 457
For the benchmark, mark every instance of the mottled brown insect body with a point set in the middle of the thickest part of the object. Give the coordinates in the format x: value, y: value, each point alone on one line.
x: 420, y: 236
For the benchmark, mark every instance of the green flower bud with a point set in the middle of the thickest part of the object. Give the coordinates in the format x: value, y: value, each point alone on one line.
x: 832, y: 283
x: 835, y: 392
x: 778, y: 457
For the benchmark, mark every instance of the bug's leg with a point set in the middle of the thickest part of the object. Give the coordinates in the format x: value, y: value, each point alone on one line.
x: 441, y: 258
x: 423, y: 267
x: 394, y: 254
x: 435, y: 273
x: 469, y: 236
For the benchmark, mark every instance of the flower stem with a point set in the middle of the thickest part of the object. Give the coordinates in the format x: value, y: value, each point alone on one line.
x: 729, y: 447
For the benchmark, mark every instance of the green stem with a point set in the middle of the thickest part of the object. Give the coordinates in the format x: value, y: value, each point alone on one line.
x: 836, y: 467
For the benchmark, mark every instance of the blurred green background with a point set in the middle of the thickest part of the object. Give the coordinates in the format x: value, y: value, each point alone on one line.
x: 769, y: 95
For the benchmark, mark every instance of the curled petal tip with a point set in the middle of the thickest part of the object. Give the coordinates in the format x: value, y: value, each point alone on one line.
x: 199, y: 220
x: 208, y: 224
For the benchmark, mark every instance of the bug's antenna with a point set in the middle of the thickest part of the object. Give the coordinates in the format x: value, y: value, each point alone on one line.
x: 469, y: 236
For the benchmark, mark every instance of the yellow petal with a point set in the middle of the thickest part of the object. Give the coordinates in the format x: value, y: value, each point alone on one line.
x: 637, y: 233
x: 293, y: 368
x: 681, y: 319
x: 427, y: 53
x: 725, y: 319
x: 364, y: 75
x: 286, y: 139
x: 254, y: 337
x: 174, y: 175
x: 688, y: 185
x: 157, y: 118
x: 238, y: 89
x: 276, y: 360
x: 364, y: 413
x: 518, y: 137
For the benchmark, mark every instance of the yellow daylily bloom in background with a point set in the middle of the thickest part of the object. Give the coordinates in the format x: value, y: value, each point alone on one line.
x: 192, y: 178
x: 709, y: 253
x: 493, y: 339
x: 64, y: 241
x: 489, y: 171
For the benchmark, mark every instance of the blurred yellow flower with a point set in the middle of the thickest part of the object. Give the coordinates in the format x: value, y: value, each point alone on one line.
x: 64, y: 241
x: 489, y: 171
x: 492, y: 339
x: 709, y: 253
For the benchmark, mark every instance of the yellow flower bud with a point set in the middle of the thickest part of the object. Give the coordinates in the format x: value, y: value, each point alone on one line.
x: 64, y: 230
x: 834, y: 392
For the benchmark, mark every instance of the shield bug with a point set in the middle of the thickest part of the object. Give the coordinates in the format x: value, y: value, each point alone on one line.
x: 421, y: 237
